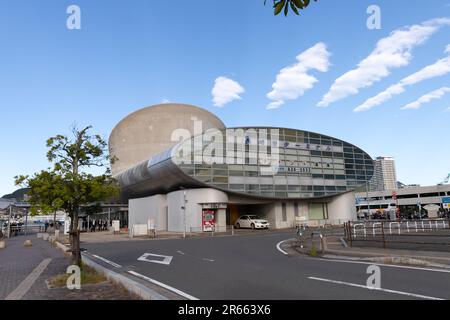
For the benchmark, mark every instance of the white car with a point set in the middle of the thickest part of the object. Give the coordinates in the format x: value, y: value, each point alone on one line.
x: 252, y: 221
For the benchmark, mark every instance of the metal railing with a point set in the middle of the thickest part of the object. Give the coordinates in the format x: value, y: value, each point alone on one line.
x: 22, y: 230
x: 433, y: 233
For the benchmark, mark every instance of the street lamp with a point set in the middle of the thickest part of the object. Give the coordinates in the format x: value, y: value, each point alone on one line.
x: 368, y: 199
x: 9, y: 221
x: 184, y: 211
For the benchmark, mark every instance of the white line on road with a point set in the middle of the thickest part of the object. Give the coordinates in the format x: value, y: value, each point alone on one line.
x: 26, y: 284
x: 209, y: 260
x: 279, y: 246
x: 376, y: 289
x: 179, y: 292
x: 180, y: 252
x: 385, y: 265
x: 115, y: 265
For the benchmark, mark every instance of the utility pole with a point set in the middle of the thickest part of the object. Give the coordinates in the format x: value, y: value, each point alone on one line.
x: 9, y: 221
x: 367, y: 198
x: 184, y: 213
x: 26, y: 222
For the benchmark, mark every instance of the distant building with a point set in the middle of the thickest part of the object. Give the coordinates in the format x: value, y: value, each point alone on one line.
x: 385, y: 176
x: 409, y: 200
x: 401, y: 185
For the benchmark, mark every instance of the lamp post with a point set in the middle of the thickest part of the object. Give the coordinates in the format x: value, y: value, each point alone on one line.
x: 9, y: 221
x: 184, y: 211
x: 367, y: 199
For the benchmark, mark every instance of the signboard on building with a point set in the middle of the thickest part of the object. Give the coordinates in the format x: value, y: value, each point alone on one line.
x: 446, y: 202
x: 208, y: 220
x: 215, y: 205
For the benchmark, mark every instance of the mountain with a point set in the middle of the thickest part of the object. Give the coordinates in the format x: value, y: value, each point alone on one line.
x: 18, y: 194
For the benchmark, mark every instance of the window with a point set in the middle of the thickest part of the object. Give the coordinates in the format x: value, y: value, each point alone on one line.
x: 284, y: 212
x: 317, y: 211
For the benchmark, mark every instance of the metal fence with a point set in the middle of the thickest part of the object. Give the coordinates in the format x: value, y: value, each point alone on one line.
x: 227, y: 230
x: 429, y: 234
x: 22, y: 230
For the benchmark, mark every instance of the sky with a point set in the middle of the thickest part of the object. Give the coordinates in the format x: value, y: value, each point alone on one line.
x: 385, y: 90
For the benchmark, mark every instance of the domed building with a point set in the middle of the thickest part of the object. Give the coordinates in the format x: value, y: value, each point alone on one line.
x: 148, y: 131
x: 181, y: 169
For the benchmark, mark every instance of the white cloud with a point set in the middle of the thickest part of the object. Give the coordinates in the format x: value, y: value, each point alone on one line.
x: 226, y: 90
x: 391, y: 52
x: 293, y: 81
x: 440, y: 68
x: 447, y: 50
x: 434, y: 95
x: 164, y: 101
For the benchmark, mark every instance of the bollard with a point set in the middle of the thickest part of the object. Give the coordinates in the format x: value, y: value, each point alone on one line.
x: 27, y: 243
x: 2, y: 244
x: 323, y: 242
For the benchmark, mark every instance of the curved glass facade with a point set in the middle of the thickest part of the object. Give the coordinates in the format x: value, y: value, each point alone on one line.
x: 274, y: 163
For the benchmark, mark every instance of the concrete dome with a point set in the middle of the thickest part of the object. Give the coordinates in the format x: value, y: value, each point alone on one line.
x: 148, y: 132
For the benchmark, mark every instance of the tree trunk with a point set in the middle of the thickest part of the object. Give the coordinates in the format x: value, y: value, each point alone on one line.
x: 75, y: 240
x: 70, y: 231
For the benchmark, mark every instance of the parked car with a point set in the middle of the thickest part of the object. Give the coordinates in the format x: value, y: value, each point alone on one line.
x: 252, y: 221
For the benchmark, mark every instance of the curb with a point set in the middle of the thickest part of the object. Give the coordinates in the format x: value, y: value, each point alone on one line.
x: 394, y: 260
x: 132, y: 286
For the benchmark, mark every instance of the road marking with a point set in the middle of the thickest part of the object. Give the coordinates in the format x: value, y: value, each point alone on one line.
x: 166, y: 259
x: 179, y: 292
x: 209, y: 260
x: 115, y: 265
x: 279, y: 246
x: 385, y: 265
x: 182, y: 253
x: 376, y: 289
x: 26, y: 284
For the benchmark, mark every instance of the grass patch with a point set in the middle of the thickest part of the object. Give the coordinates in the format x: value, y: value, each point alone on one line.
x: 313, y: 252
x: 88, y: 276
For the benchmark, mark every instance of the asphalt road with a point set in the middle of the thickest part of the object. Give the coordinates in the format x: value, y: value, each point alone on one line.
x: 251, y: 267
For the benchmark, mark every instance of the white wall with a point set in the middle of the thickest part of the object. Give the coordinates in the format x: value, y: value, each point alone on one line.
x: 195, y: 198
x: 143, y: 209
x: 342, y: 208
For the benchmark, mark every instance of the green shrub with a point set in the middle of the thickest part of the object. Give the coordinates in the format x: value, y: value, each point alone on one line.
x: 313, y: 252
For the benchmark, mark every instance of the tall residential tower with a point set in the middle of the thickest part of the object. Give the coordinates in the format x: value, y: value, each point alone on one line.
x: 385, y: 176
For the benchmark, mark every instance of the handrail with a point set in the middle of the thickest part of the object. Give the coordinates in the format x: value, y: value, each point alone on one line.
x: 374, y: 226
x: 397, y: 224
x: 407, y: 225
x: 359, y: 225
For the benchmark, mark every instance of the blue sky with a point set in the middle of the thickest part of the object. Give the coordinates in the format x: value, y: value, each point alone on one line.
x: 132, y: 54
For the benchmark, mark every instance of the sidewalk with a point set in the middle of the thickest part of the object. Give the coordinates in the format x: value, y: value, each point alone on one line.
x: 335, y: 249
x: 24, y: 271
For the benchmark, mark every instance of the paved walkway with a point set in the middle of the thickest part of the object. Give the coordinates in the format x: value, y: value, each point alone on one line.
x: 24, y: 271
x: 335, y: 247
